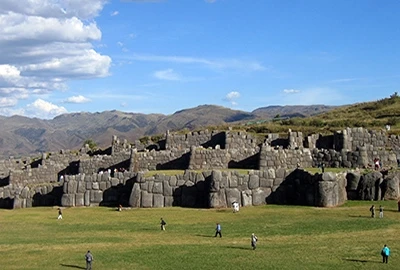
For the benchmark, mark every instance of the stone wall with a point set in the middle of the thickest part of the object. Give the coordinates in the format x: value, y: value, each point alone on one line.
x: 94, y: 164
x: 208, y: 159
x: 206, y: 189
x: 203, y: 138
x: 271, y: 157
x: 219, y: 189
x: 353, y: 138
x: 295, y: 140
x: 97, y: 189
x: 363, y: 157
x: 118, y: 145
x: 177, y: 159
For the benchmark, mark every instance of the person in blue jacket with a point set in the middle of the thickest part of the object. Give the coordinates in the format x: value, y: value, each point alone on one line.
x: 218, y: 230
x: 385, y: 254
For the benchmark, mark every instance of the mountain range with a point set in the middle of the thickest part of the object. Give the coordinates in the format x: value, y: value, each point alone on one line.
x: 29, y: 136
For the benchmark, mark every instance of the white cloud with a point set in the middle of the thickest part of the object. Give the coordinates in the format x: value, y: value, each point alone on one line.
x: 46, y: 43
x: 313, y: 96
x: 114, y: 13
x: 167, y: 74
x: 7, y: 102
x: 291, y: 91
x: 77, y: 99
x: 210, y: 1
x: 232, y: 97
x: 235, y: 64
x: 43, y: 109
x: 52, y: 8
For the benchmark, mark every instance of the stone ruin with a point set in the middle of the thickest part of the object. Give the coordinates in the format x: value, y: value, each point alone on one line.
x: 262, y: 170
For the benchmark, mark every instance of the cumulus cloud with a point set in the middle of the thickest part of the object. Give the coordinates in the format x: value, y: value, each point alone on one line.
x: 114, y: 13
x: 44, y: 44
x: 167, y: 74
x: 44, y: 109
x: 291, y: 91
x: 231, y: 97
x: 77, y: 99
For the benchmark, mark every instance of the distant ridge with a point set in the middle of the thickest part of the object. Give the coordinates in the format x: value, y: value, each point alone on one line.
x: 21, y: 135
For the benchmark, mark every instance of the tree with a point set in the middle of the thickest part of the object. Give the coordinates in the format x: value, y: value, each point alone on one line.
x: 92, y: 144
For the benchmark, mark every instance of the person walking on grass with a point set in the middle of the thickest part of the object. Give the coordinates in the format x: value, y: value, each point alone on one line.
x: 218, y: 230
x: 385, y: 252
x: 380, y: 211
x: 59, y: 213
x: 163, y: 223
x: 254, y: 240
x: 89, y: 260
x: 372, y: 210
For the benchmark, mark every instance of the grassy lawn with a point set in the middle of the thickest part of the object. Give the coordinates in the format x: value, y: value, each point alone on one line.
x: 290, y: 237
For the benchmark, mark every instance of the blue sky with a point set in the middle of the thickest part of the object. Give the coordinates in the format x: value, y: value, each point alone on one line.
x: 63, y: 56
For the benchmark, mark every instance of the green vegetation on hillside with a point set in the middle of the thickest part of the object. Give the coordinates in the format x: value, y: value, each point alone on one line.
x: 371, y: 115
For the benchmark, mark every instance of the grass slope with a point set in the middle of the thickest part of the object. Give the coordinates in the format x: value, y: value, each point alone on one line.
x: 290, y: 237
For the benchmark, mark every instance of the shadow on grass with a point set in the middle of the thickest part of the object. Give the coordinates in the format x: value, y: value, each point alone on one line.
x: 362, y: 261
x: 72, y: 266
x: 243, y: 248
x: 392, y: 210
x: 359, y: 216
x: 204, y: 235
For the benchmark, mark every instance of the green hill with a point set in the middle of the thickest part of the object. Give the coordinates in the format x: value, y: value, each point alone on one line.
x: 371, y: 115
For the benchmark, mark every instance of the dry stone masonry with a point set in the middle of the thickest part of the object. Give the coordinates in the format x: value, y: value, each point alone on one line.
x: 124, y: 173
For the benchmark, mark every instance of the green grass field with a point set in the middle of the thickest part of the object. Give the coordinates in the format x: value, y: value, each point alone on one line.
x: 290, y: 237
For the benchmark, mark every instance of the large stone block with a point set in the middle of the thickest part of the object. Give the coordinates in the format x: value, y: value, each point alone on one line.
x: 327, y: 194
x: 168, y: 201
x: 25, y: 192
x: 247, y: 198
x: 173, y: 181
x: 280, y: 173
x: 266, y: 183
x: 232, y: 195
x: 158, y: 200
x: 390, y: 187
x: 217, y: 199
x: 352, y: 181
x: 72, y: 187
x: 135, y: 198
x: 87, y: 198
x: 96, y: 196
x: 68, y: 200
x: 260, y: 195
x: 95, y: 186
x: 167, y: 189
x: 254, y: 181
x: 79, y: 199
x: 146, y: 199
x: 157, y: 188
x: 81, y: 186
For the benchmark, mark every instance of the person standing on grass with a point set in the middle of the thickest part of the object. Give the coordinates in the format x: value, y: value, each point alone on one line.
x: 89, y: 260
x: 218, y: 230
x: 385, y: 252
x: 163, y: 223
x: 372, y: 210
x: 380, y: 211
x: 253, y: 241
x: 59, y: 213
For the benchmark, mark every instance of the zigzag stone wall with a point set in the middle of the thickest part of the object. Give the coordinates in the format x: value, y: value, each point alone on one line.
x: 37, y: 181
